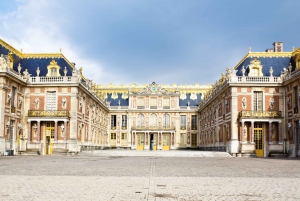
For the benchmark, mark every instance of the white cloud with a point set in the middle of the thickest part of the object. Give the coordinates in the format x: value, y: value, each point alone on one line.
x: 38, y: 27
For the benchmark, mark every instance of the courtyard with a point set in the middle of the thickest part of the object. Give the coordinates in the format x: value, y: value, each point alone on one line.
x: 183, y: 176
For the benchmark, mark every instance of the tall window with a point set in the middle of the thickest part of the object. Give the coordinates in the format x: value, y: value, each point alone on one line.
x: 224, y: 107
x: 257, y: 101
x: 194, y: 122
x: 51, y: 100
x: 295, y: 91
x: 140, y: 120
x: 113, y: 121
x: 13, y: 94
x: 182, y: 122
x: 166, y: 120
x: 140, y: 103
x: 153, y: 120
x: 296, y: 96
x: 124, y: 121
x: 166, y: 103
x: 153, y: 103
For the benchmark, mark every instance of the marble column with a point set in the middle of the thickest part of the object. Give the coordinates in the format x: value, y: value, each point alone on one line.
x: 252, y: 132
x: 279, y: 133
x: 270, y: 132
x: 242, y: 131
x: 65, y: 131
x: 38, y: 131
x: 29, y: 131
x: 55, y: 131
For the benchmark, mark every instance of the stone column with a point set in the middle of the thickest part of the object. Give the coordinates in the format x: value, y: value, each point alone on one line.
x: 133, y: 138
x: 279, y: 133
x: 252, y: 132
x: 55, y: 131
x: 270, y: 132
x: 65, y: 131
x: 38, y: 131
x: 242, y: 131
x: 29, y: 131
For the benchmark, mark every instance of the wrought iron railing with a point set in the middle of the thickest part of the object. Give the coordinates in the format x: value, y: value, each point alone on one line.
x: 48, y: 113
x: 259, y: 114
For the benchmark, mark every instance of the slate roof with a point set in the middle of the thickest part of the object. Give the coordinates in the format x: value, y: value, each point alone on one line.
x: 277, y: 63
x: 32, y: 61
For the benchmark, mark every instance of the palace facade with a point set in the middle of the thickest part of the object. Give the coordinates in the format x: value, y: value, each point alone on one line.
x: 48, y: 107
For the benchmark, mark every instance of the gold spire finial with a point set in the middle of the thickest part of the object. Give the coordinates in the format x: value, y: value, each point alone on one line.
x: 60, y: 50
x: 249, y: 49
x: 293, y: 48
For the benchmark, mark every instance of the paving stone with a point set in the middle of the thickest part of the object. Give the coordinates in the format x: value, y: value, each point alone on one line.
x: 116, y: 177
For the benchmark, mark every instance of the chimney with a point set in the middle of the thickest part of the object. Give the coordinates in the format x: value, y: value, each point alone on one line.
x: 269, y: 50
x: 278, y: 46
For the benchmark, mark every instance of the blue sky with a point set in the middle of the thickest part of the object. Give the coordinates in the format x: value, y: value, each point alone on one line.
x: 136, y: 41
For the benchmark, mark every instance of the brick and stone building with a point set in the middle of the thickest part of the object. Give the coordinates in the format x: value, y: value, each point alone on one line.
x: 48, y: 106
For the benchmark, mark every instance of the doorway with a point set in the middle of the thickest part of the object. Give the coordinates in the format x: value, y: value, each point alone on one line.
x: 166, y: 141
x: 49, y: 138
x: 140, y: 141
x: 259, y: 139
x: 153, y: 141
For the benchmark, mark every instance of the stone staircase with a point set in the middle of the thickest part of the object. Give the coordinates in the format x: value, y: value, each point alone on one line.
x: 29, y: 152
x: 278, y: 155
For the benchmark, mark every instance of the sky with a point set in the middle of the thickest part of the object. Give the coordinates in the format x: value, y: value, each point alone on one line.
x: 145, y: 41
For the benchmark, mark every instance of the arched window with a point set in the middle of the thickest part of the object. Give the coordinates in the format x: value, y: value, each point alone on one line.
x: 153, y: 120
x: 166, y: 120
x: 140, y: 120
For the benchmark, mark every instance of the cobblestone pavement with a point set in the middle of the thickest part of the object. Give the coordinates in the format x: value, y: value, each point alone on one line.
x: 84, y: 177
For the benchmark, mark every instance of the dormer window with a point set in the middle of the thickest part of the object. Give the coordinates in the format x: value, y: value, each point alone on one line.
x: 255, y: 72
x: 53, y: 69
x: 255, y: 68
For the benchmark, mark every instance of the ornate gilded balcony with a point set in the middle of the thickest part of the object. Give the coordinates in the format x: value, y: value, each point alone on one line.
x: 153, y: 128
x: 259, y: 114
x: 48, y: 113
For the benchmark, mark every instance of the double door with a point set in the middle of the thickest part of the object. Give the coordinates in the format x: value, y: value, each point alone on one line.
x: 140, y: 141
x: 49, y: 138
x: 166, y: 141
x: 259, y: 139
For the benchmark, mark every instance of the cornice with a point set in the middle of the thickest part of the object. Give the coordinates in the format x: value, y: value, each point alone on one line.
x: 136, y: 88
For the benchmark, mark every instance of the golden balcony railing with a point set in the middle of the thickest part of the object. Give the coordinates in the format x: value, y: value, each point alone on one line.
x: 259, y: 114
x: 153, y: 128
x: 48, y: 113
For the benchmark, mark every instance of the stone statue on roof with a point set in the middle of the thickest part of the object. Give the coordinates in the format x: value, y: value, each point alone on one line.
x: 26, y: 75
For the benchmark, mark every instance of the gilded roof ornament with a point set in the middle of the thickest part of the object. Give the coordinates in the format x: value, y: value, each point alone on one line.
x: 255, y: 62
